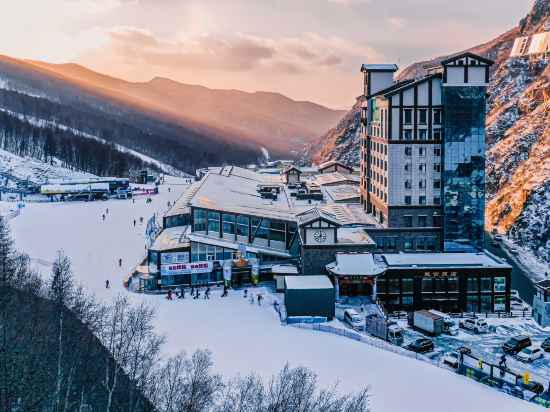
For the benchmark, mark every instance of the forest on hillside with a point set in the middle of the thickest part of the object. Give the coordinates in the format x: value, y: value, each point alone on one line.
x: 61, y: 350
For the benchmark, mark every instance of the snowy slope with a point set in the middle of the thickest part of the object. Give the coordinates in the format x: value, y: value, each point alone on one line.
x: 242, y: 337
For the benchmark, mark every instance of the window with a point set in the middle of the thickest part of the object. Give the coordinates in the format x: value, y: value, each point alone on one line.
x: 408, y: 200
x: 486, y: 284
x: 422, y: 167
x: 277, y: 231
x: 199, y: 220
x: 407, y: 285
x: 422, y: 184
x: 437, y: 134
x: 437, y: 151
x: 437, y: 116
x: 407, y: 300
x: 408, y: 134
x: 408, y: 151
x: 407, y: 221
x: 407, y: 116
x: 408, y: 184
x: 408, y: 243
x: 500, y: 303
x: 422, y: 221
x: 421, y: 151
x: 437, y: 184
x: 422, y: 116
x: 486, y: 303
x: 472, y: 303
x: 242, y: 226
x: 228, y: 224
x: 472, y: 285
x: 436, y: 219
x: 213, y: 222
x: 500, y: 284
x: 452, y: 284
x: 393, y: 286
x: 427, y: 285
x: 422, y: 134
x: 440, y: 285
x: 422, y: 200
x: 437, y: 167
x: 407, y: 167
x: 437, y: 200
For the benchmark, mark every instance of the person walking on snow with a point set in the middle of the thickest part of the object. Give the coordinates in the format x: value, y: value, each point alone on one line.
x: 120, y: 262
x: 134, y: 222
x: 103, y: 216
x: 107, y: 286
x: 107, y: 211
x: 182, y: 293
x: 260, y: 297
x: 245, y: 293
x: 207, y: 293
x: 169, y: 295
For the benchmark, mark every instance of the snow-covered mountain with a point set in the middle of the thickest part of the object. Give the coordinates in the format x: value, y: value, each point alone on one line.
x: 518, y: 135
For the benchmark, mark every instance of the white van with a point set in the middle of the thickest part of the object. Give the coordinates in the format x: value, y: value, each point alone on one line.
x: 352, y: 318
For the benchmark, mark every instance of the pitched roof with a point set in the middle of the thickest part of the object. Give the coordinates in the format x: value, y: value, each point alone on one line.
x: 467, y: 54
x: 412, y: 84
x: 314, y: 214
x: 332, y: 163
x: 361, y: 264
x: 291, y: 167
x: 394, y: 86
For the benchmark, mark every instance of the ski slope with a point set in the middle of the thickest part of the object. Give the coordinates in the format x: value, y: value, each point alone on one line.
x: 242, y: 337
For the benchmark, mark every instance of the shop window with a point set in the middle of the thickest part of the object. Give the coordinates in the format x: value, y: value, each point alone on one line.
x: 472, y: 303
x: 427, y: 285
x: 393, y: 286
x: 486, y: 285
x: 486, y: 303
x: 452, y: 284
x: 500, y: 303
x: 472, y: 285
x: 440, y: 286
x: 500, y: 285
x: 407, y: 300
x: 407, y: 285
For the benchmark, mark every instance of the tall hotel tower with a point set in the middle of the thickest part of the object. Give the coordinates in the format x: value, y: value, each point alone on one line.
x: 423, y: 155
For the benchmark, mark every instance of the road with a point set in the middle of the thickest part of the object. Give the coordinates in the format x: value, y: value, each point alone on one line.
x: 520, y: 280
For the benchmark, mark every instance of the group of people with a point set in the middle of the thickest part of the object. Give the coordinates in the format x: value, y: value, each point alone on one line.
x: 259, y: 297
x: 195, y: 292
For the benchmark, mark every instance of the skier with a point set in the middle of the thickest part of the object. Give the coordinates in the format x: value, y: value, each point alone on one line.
x: 260, y: 297
x: 134, y: 222
x: 169, y: 295
x: 245, y: 293
x: 103, y: 216
x: 192, y: 290
x: 502, y: 363
x: 120, y: 262
x: 168, y: 190
x: 182, y: 293
x: 141, y: 219
x: 207, y: 293
x: 107, y: 286
x: 133, y: 200
x: 251, y: 300
x: 197, y: 293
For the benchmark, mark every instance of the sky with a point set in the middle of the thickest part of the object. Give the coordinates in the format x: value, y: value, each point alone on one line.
x: 305, y: 49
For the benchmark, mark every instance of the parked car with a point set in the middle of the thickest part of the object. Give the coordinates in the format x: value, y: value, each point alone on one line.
x: 451, y: 359
x: 421, y: 345
x: 465, y: 350
x: 476, y: 325
x: 546, y: 345
x: 534, y: 387
x: 514, y: 251
x: 498, y: 238
x: 352, y: 318
x: 516, y: 344
x: 530, y: 354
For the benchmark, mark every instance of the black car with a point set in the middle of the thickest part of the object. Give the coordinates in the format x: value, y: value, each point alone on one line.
x: 422, y: 345
x: 534, y: 387
x: 516, y: 344
x: 546, y: 345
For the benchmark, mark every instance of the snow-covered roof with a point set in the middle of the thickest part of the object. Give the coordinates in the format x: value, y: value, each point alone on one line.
x: 350, y: 214
x: 284, y: 270
x: 360, y: 264
x: 234, y: 189
x: 52, y: 189
x: 379, y: 67
x: 172, y: 238
x: 354, y: 235
x: 480, y: 259
x: 181, y: 206
x: 314, y: 214
x: 342, y: 193
x: 336, y: 178
x: 330, y: 163
x: 308, y: 282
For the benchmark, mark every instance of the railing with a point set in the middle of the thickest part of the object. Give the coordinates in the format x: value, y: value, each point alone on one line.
x: 369, y: 340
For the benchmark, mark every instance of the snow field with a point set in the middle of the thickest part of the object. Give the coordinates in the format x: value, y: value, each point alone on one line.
x: 243, y: 337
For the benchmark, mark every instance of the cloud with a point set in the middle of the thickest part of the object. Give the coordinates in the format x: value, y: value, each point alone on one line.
x: 234, y: 53
x: 397, y: 22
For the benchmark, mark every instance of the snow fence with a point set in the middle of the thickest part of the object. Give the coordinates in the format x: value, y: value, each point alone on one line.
x: 369, y: 340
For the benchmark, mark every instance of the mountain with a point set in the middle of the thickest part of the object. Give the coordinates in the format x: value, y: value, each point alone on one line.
x: 267, y: 119
x: 518, y: 135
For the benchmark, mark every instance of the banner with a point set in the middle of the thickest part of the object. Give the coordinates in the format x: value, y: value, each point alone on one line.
x: 176, y: 257
x: 227, y: 270
x: 186, y: 268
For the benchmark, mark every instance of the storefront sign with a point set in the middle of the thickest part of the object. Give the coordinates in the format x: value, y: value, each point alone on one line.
x: 177, y: 257
x: 440, y: 274
x: 186, y: 268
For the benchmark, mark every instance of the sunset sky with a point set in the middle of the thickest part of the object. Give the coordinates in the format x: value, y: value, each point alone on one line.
x: 306, y: 49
